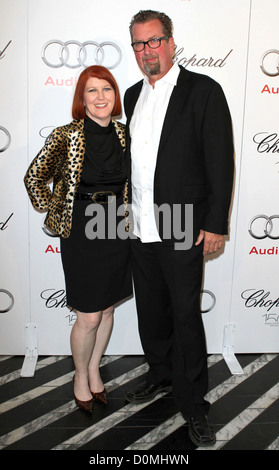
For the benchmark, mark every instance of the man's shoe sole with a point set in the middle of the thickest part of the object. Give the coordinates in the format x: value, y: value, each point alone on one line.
x: 150, y: 397
x: 201, y: 444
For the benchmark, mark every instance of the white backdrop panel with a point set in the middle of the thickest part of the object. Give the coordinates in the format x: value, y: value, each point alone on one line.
x: 14, y: 275
x: 50, y: 97
x: 255, y: 302
x: 212, y: 38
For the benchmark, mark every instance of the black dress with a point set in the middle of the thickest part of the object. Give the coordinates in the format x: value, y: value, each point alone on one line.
x: 95, y: 257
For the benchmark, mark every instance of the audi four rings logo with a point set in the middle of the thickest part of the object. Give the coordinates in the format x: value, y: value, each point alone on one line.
x: 270, y: 67
x: 267, y: 229
x: 10, y: 301
x: 106, y: 53
x: 7, y: 138
x: 212, y: 303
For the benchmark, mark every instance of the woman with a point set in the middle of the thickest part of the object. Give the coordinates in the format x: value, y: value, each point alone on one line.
x: 85, y: 159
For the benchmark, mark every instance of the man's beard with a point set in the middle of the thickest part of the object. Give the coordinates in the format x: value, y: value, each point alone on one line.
x: 152, y: 69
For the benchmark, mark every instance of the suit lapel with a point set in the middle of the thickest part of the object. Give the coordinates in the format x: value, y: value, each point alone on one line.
x: 176, y: 105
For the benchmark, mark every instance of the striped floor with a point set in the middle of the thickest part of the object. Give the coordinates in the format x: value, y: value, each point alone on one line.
x: 39, y: 413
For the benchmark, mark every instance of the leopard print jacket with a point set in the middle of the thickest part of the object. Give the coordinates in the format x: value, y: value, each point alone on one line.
x: 60, y: 160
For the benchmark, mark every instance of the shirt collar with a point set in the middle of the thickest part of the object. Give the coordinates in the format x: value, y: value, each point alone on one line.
x: 170, y: 77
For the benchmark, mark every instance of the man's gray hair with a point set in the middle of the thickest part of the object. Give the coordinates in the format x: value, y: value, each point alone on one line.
x: 148, y: 15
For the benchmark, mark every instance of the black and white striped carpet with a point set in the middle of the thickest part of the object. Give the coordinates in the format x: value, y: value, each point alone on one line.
x: 39, y: 413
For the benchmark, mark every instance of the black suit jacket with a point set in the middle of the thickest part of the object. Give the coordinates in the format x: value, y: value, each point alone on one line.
x: 195, y: 157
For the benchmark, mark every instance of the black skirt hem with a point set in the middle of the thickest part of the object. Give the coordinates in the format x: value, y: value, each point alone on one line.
x: 123, y: 298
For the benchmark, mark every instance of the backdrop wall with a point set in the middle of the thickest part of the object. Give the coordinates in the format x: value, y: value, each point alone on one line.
x: 44, y: 46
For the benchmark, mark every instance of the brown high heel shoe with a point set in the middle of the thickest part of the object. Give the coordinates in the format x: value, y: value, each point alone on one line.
x: 83, y: 405
x: 100, y: 396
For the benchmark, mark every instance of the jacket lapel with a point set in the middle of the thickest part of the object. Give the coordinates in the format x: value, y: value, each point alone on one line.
x: 176, y: 104
x: 76, y: 155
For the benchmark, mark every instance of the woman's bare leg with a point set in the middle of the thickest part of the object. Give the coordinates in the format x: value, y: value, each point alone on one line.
x: 83, y: 339
x: 102, y: 339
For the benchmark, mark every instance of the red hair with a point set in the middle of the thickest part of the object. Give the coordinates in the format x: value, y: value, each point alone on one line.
x: 97, y: 71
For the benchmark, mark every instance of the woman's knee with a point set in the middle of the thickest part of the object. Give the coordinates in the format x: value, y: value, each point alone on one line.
x: 89, y: 321
x: 108, y: 312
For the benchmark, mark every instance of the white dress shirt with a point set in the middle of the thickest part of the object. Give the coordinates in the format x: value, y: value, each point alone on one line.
x: 145, y: 130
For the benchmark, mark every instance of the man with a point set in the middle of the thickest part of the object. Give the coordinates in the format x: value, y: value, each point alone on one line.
x: 179, y: 139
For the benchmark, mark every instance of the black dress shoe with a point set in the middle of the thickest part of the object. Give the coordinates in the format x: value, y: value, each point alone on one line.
x: 145, y: 392
x: 201, y: 432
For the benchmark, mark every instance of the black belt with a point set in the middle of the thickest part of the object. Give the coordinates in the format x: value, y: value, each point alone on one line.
x: 99, y: 197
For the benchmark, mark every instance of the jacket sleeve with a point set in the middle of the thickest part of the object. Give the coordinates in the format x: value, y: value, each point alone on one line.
x: 43, y: 168
x: 219, y: 160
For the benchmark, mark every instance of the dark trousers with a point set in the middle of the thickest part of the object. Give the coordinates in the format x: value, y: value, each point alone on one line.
x: 167, y: 288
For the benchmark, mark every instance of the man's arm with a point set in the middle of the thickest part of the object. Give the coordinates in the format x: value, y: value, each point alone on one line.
x: 212, y: 241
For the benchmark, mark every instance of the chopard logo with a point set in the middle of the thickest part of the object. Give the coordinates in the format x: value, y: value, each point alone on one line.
x: 54, y: 298
x: 2, y: 55
x: 74, y: 54
x: 202, y: 62
x: 259, y: 298
x: 4, y: 225
x: 267, y: 143
x: 46, y: 131
x: 57, y: 299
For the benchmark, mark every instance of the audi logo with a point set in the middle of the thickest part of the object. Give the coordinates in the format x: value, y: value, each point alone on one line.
x: 212, y: 301
x: 73, y: 54
x: 266, y: 228
x: 7, y: 139
x: 10, y: 301
x: 266, y: 64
